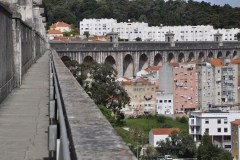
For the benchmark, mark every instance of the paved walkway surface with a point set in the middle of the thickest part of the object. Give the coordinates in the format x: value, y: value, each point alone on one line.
x: 23, y: 117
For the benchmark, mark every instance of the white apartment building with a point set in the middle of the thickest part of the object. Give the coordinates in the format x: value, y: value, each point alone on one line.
x: 205, y: 85
x: 164, y: 103
x: 216, y: 123
x: 132, y: 30
x: 97, y: 26
x: 226, y: 84
x: 228, y: 34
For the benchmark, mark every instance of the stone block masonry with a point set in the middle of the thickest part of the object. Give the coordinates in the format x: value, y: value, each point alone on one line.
x: 20, y: 44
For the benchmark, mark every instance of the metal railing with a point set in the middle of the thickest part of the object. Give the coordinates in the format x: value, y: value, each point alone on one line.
x: 59, y: 147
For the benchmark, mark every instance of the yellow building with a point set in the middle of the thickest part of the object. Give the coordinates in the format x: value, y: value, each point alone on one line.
x: 142, y: 93
x: 235, y: 129
x: 61, y: 26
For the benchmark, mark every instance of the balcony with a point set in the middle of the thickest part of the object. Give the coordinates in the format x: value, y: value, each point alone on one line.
x: 192, y: 122
x: 195, y: 132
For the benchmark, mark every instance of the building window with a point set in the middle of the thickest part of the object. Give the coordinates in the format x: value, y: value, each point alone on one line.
x: 225, y: 121
x: 206, y: 121
x: 219, y: 121
x: 225, y: 130
x: 219, y: 129
x: 169, y: 101
x: 165, y: 101
x: 160, y: 101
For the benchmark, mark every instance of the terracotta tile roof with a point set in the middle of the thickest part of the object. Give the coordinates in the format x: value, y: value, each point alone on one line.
x: 60, y: 24
x: 96, y: 38
x: 152, y: 68
x: 174, y: 64
x: 54, y: 32
x: 216, y: 62
x: 237, y: 121
x: 235, y: 61
x: 161, y: 131
x: 66, y: 39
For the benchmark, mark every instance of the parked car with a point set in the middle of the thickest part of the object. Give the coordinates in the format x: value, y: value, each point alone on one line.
x: 168, y: 157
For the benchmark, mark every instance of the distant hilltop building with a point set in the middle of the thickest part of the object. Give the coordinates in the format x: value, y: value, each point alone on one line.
x: 57, y: 29
x: 132, y: 30
x: 61, y: 26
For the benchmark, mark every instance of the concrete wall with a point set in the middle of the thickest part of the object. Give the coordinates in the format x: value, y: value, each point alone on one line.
x: 20, y: 46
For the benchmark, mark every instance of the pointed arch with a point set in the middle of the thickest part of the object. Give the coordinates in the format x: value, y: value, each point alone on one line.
x: 128, y: 66
x: 65, y: 58
x: 181, y: 58
x: 210, y: 55
x: 143, y: 62
x: 201, y: 57
x: 88, y: 60
x: 170, y: 58
x: 191, y: 57
x: 110, y: 61
x: 158, y: 60
x: 234, y: 54
x: 219, y: 55
x: 228, y: 54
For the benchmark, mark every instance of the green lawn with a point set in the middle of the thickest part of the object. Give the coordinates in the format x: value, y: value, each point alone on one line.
x: 146, y: 124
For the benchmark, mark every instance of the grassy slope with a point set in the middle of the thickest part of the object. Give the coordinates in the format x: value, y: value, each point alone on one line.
x: 146, y: 124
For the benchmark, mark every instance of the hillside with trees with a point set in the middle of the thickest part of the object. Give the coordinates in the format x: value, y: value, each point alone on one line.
x: 155, y: 12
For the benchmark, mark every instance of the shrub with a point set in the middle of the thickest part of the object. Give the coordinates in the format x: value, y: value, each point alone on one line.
x: 161, y: 119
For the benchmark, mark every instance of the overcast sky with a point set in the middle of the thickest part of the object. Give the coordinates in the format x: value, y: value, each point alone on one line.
x: 234, y: 3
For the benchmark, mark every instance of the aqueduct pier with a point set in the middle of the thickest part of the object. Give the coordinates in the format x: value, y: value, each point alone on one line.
x: 130, y: 57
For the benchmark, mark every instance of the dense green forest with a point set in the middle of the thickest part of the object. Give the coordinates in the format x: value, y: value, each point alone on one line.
x: 155, y: 12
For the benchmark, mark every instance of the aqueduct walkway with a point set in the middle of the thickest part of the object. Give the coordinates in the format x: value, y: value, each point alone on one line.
x: 23, y: 116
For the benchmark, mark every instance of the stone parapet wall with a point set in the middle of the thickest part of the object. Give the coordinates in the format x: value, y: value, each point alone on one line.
x: 140, y: 46
x: 92, y: 136
x: 20, y: 46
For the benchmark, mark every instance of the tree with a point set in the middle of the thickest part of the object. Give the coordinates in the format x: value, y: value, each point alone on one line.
x: 86, y: 34
x: 208, y: 151
x: 179, y: 144
x: 98, y: 80
x: 138, y: 39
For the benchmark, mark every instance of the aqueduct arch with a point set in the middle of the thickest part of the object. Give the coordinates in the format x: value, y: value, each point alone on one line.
x: 158, y: 60
x: 181, y: 58
x: 191, y: 57
x: 128, y: 66
x: 110, y: 61
x: 170, y: 58
x: 143, y: 62
x: 88, y: 60
x: 201, y: 57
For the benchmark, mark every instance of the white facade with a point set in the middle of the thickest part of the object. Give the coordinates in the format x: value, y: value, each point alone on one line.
x: 216, y: 123
x: 153, y: 139
x: 63, y: 29
x: 205, y: 85
x: 130, y: 31
x: 226, y: 83
x: 160, y: 134
x: 127, y: 30
x: 164, y: 103
x: 97, y: 26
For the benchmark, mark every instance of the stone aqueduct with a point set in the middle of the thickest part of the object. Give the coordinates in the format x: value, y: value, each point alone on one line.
x: 130, y: 57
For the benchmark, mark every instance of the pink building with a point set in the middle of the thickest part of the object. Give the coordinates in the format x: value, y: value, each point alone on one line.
x: 184, y: 87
